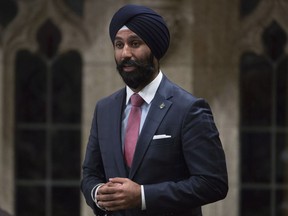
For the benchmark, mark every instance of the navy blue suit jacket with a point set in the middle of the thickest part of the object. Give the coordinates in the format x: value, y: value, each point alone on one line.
x: 179, y: 174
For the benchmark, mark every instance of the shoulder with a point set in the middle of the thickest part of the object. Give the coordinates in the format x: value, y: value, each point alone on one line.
x: 118, y: 95
x: 181, y: 98
x: 176, y: 92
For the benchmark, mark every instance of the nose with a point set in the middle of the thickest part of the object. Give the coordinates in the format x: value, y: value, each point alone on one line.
x: 126, y: 52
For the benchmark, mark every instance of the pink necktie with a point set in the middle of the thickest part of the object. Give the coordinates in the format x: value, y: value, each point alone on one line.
x: 132, y: 129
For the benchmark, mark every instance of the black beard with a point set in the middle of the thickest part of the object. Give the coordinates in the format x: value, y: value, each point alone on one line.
x: 141, y: 76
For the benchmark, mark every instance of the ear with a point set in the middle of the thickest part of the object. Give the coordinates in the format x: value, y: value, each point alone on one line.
x: 156, y: 63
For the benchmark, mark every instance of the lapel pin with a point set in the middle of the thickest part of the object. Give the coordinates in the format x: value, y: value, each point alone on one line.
x: 162, y: 106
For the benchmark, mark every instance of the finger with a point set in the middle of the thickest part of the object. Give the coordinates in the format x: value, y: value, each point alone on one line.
x: 105, y: 198
x: 112, y: 205
x: 118, y: 180
x: 107, y: 189
x: 113, y: 184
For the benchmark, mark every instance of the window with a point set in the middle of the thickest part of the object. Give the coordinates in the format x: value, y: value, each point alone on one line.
x: 264, y: 127
x: 47, y: 128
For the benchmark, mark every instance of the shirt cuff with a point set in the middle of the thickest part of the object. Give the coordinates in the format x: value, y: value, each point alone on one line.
x: 94, y: 192
x: 143, y: 202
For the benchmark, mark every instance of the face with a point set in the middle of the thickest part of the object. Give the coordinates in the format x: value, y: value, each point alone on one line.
x: 135, y: 62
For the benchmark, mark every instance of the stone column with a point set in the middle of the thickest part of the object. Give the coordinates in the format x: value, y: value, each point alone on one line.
x: 1, y: 128
x: 215, y: 49
x: 6, y: 147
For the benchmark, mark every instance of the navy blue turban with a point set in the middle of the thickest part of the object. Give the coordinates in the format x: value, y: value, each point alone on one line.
x: 144, y: 22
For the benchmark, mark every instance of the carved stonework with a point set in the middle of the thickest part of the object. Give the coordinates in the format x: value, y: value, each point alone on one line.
x: 263, y: 104
x: 248, y: 6
x: 252, y: 26
x: 33, y: 13
x: 20, y: 33
x: 8, y: 11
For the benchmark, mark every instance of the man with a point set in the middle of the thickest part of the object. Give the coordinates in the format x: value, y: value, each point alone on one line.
x: 177, y: 164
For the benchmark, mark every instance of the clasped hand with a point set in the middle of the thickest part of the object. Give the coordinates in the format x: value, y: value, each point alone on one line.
x: 119, y: 194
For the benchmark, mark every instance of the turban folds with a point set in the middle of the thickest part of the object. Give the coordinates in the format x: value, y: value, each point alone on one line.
x: 144, y: 22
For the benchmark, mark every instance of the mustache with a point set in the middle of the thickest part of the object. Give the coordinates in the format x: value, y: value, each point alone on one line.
x: 128, y: 62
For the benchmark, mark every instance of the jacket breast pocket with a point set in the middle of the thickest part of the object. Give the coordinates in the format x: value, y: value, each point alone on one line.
x: 163, y: 141
x: 164, y: 151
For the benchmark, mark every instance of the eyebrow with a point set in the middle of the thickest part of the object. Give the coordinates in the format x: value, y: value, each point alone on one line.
x: 132, y: 37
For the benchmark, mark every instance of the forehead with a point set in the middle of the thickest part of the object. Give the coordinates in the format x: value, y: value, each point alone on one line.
x: 126, y: 34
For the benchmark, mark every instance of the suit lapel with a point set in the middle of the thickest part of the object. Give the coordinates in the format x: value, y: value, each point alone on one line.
x: 159, y: 107
x: 115, y: 144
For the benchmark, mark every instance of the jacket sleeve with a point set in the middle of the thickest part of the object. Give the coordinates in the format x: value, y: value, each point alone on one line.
x: 205, y: 161
x: 93, y: 171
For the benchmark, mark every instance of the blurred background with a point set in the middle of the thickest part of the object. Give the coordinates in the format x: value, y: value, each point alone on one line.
x: 56, y: 61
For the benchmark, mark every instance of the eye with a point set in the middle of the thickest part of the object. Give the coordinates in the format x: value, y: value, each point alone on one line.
x: 118, y: 45
x: 135, y: 43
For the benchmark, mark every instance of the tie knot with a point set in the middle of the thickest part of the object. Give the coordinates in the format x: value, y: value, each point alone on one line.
x: 136, y: 100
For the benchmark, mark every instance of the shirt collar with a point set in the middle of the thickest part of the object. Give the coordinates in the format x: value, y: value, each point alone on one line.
x: 148, y: 92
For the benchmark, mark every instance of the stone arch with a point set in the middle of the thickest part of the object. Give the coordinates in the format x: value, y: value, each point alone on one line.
x: 252, y: 26
x: 20, y: 33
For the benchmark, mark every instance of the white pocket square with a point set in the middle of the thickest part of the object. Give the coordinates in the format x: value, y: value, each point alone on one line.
x: 161, y: 136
